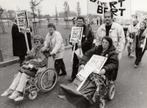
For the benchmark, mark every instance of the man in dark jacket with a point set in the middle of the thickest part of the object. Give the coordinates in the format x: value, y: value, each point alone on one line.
x: 85, y: 44
x: 19, y: 43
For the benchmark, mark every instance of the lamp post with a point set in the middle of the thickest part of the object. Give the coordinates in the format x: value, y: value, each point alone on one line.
x: 1, y: 57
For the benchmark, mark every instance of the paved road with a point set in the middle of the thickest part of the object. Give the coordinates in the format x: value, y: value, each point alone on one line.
x: 131, y: 87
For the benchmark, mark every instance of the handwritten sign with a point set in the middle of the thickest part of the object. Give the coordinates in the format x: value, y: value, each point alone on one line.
x: 96, y: 62
x: 118, y: 7
x: 76, y: 34
x: 22, y: 19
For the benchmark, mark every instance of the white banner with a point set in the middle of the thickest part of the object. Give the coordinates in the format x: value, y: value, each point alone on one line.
x: 119, y: 8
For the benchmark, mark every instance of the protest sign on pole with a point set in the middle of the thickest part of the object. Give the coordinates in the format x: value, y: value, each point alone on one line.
x: 76, y: 37
x: 23, y: 24
x: 76, y: 34
x: 22, y: 20
x: 95, y: 64
x: 121, y: 9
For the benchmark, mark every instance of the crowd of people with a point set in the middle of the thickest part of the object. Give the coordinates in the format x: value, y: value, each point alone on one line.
x: 110, y: 41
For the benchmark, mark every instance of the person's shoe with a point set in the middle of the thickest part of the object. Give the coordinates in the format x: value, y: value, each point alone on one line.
x: 135, y: 66
x: 62, y: 97
x: 19, y: 98
x: 131, y: 56
x: 7, y: 92
x: 14, y: 95
x: 63, y: 74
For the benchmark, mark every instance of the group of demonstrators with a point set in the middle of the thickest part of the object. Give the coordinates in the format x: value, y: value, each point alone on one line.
x: 136, y: 39
x: 108, y: 42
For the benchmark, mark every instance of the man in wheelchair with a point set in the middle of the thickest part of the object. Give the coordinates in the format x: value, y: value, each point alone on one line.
x: 34, y: 61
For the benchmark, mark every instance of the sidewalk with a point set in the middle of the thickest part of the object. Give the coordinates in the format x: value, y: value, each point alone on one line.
x: 16, y: 59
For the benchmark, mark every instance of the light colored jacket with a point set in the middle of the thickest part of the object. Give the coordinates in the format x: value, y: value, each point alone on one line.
x: 55, y: 44
x: 116, y: 33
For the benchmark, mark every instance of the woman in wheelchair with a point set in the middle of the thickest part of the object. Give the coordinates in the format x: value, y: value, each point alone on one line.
x: 34, y: 60
x: 108, y: 71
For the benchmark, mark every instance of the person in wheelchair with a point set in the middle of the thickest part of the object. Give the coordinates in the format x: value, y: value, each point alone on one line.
x: 33, y: 62
x: 108, y: 71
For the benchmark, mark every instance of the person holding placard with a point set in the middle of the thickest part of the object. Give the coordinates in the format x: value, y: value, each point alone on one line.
x: 19, y: 43
x: 141, y: 44
x: 84, y: 97
x: 84, y: 44
x: 107, y: 49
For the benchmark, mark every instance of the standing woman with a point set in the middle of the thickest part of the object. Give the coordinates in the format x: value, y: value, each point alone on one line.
x: 19, y: 43
x: 141, y: 44
x: 54, y: 43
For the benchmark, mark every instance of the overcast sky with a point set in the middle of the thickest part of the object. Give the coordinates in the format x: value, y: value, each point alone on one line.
x: 48, y: 6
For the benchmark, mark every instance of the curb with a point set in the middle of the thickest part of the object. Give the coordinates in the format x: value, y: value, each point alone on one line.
x: 13, y: 61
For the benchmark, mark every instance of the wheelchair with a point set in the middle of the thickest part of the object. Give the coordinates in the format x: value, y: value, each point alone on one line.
x: 44, y: 81
x: 95, y: 91
x: 105, y: 90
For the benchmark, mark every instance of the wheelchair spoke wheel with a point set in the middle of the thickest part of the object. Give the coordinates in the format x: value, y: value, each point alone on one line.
x: 33, y: 94
x: 111, y: 92
x: 102, y: 103
x: 48, y: 80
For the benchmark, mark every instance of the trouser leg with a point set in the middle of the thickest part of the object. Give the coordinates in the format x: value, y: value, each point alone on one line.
x: 15, y: 81
x: 62, y: 66
x: 22, y: 83
x: 138, y: 55
x: 75, y: 66
x: 57, y: 66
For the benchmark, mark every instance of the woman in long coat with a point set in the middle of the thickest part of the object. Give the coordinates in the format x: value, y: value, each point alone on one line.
x: 19, y: 43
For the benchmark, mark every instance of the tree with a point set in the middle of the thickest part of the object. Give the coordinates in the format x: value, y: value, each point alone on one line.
x: 34, y: 4
x: 56, y: 16
x: 66, y: 12
x: 78, y: 9
x: 1, y: 22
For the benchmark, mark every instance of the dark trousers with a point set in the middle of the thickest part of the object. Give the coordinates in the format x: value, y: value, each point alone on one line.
x: 21, y: 59
x: 139, y: 54
x: 75, y: 66
x: 59, y: 65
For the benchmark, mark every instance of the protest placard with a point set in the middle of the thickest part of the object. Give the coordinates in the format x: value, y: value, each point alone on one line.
x: 119, y: 8
x: 95, y: 63
x: 76, y: 34
x: 76, y: 37
x: 22, y: 20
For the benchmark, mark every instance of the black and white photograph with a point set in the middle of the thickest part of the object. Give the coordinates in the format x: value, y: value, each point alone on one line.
x: 73, y: 54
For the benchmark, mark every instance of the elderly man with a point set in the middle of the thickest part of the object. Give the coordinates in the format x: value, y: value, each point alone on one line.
x: 113, y: 30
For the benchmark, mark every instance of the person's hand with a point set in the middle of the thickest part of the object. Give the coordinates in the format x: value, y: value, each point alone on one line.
x: 43, y: 49
x: 79, y: 44
x: 81, y: 67
x: 25, y: 66
x: 52, y: 54
x: 102, y: 72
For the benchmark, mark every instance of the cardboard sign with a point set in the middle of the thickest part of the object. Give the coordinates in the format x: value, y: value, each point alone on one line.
x: 95, y: 63
x: 118, y: 7
x: 22, y: 20
x: 76, y: 34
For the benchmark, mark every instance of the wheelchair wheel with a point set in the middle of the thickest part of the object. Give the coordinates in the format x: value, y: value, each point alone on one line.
x: 32, y: 95
x: 102, y: 103
x: 111, y: 92
x: 47, y: 80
